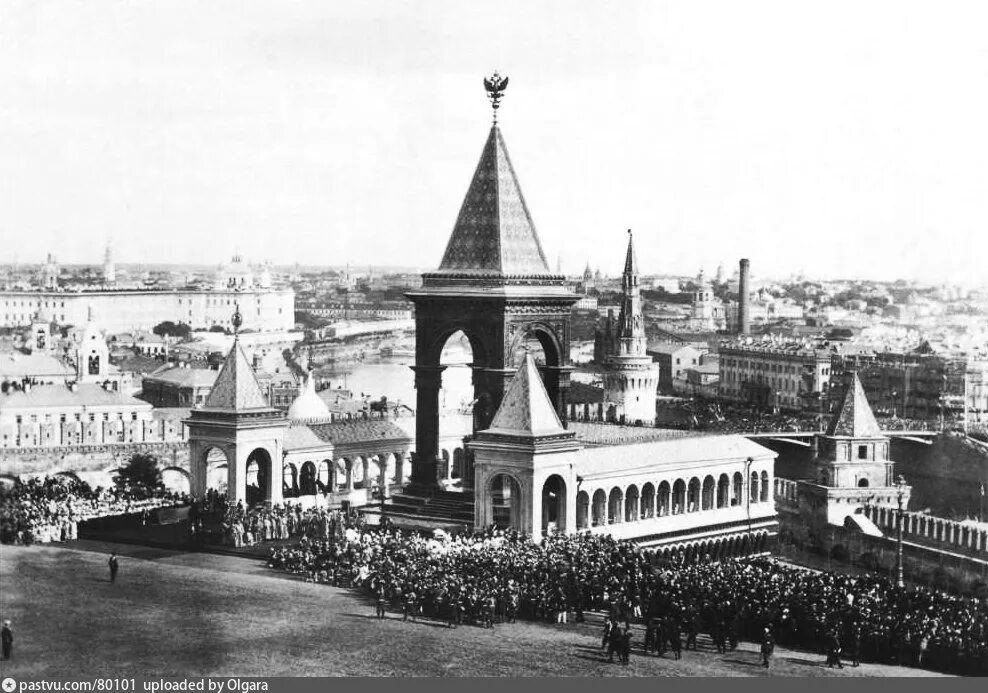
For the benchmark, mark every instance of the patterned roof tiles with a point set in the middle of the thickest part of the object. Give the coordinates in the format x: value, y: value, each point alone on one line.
x: 494, y: 233
x: 855, y: 418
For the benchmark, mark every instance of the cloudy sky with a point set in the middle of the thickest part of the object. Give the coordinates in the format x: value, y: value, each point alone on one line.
x: 839, y: 138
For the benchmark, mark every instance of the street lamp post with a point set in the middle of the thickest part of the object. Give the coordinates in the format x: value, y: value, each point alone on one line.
x: 900, y: 486
x: 747, y: 496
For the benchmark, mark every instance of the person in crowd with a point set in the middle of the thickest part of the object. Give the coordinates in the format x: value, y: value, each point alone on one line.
x: 768, y: 647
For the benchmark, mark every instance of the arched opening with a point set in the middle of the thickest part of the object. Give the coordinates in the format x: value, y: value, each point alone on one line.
x: 693, y: 496
x: 648, y: 501
x: 631, y: 504
x: 307, y: 479
x: 582, y: 510
x: 258, y: 477
x: 458, y: 463
x: 754, y: 487
x: 324, y: 481
x: 678, y: 497
x: 707, y: 497
x: 737, y: 490
x: 447, y: 469
x: 863, y: 482
x: 289, y: 481
x: 614, y: 503
x: 723, y: 490
x: 176, y: 479
x: 599, y: 516
x: 554, y: 505
x: 217, y: 471
x: 457, y: 390
x: 764, y: 488
x: 506, y: 502
x: 840, y: 553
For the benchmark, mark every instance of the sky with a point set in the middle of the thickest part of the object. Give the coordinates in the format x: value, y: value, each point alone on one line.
x: 835, y: 139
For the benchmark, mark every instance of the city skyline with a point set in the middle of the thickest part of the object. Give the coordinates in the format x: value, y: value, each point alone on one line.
x: 337, y: 134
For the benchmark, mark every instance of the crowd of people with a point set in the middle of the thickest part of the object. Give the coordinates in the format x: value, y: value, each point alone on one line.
x: 246, y: 526
x: 500, y: 575
x: 50, y: 510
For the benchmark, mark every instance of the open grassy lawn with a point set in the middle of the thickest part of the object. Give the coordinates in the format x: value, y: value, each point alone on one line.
x: 177, y: 614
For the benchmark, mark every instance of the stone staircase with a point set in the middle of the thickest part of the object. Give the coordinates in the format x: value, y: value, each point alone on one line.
x: 432, y: 506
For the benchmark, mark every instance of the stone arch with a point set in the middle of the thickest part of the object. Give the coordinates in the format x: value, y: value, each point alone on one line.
x: 631, y: 499
x: 707, y: 493
x: 648, y: 501
x: 678, y: 497
x: 737, y: 489
x: 289, y: 480
x: 447, y: 462
x: 693, y: 495
x: 582, y: 510
x: 753, y: 493
x: 599, y: 509
x: 214, y: 459
x: 458, y: 459
x: 326, y: 476
x: 307, y: 478
x: 764, y: 488
x: 176, y: 479
x: 258, y: 476
x: 504, y: 493
x: 552, y: 349
x: 554, y: 504
x: 615, y: 501
x: 723, y: 491
x: 663, y: 499
x: 863, y: 482
x: 840, y: 553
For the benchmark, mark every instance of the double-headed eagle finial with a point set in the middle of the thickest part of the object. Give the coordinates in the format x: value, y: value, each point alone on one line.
x: 495, y: 86
x: 237, y: 320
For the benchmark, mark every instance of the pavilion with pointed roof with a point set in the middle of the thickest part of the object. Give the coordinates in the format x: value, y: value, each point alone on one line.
x: 494, y: 284
x: 237, y: 421
x: 853, y: 465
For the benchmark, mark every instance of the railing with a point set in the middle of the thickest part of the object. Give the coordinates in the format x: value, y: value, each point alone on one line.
x: 929, y: 529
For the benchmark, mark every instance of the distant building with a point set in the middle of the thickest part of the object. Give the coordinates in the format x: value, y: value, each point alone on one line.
x: 673, y: 360
x: 178, y: 386
x: 768, y: 374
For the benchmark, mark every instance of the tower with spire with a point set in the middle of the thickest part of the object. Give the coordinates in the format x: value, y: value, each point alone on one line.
x: 631, y: 378
x: 494, y: 284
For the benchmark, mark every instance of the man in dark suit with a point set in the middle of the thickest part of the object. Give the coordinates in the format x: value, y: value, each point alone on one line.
x: 114, y: 566
x: 7, y: 639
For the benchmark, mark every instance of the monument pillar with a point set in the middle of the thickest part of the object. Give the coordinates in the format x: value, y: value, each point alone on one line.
x: 425, y: 466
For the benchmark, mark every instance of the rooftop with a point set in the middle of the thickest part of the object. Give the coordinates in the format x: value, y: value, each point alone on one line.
x: 601, y: 434
x: 85, y: 394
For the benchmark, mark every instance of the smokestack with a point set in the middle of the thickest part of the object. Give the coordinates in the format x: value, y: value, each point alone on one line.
x: 743, y: 321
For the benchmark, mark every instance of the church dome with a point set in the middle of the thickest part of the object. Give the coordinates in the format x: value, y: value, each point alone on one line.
x: 308, y: 405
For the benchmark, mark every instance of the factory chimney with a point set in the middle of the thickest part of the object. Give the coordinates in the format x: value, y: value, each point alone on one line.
x: 743, y: 292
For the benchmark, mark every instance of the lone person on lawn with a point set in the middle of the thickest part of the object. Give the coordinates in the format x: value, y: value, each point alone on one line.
x: 114, y: 566
x: 7, y: 638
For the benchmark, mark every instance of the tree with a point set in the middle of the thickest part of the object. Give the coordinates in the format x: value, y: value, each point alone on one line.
x: 141, y: 473
x: 170, y: 329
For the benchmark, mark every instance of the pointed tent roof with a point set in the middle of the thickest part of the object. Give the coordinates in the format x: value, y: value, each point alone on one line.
x: 494, y: 233
x: 855, y: 418
x: 631, y: 259
x: 526, y: 409
x: 236, y: 387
